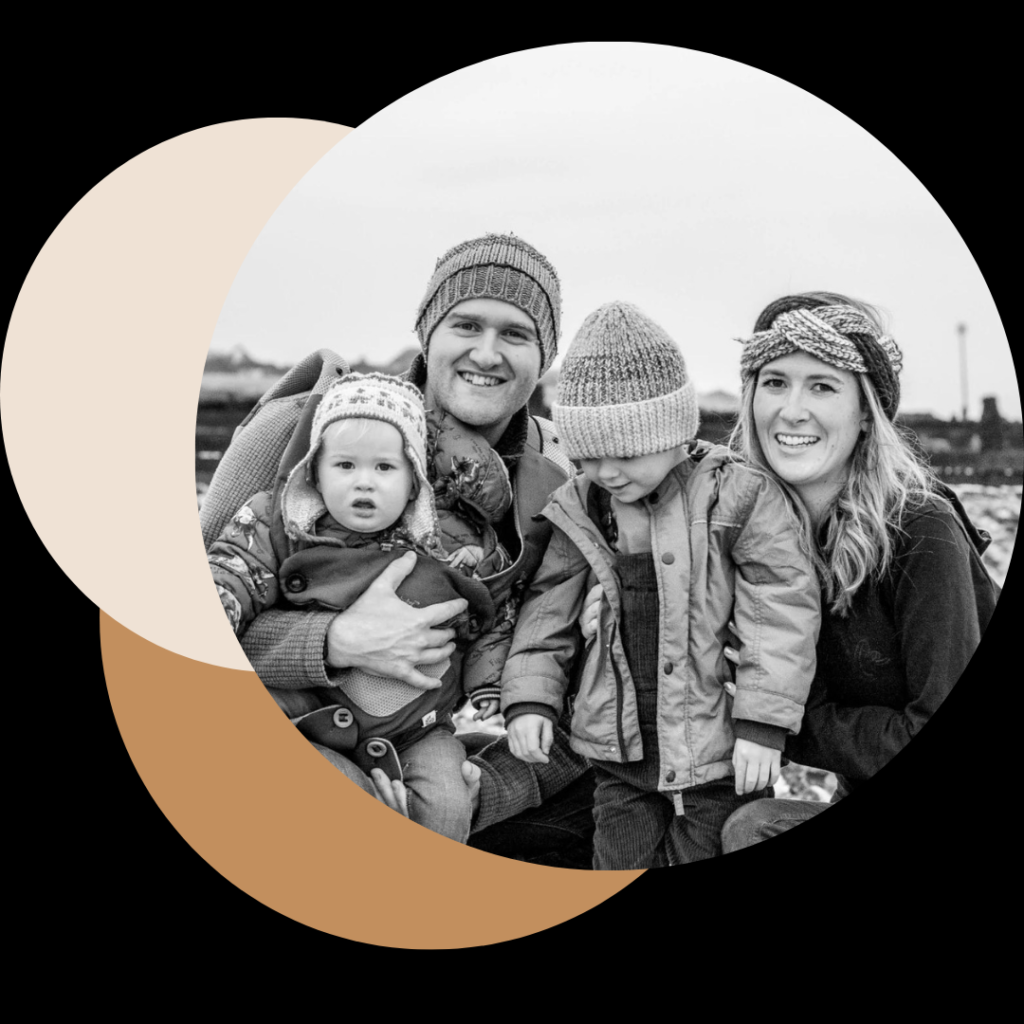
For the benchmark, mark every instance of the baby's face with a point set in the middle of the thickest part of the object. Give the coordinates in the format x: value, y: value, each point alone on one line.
x: 630, y: 480
x: 363, y: 475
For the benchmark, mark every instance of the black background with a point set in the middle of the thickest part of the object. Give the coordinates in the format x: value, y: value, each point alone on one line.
x: 920, y: 848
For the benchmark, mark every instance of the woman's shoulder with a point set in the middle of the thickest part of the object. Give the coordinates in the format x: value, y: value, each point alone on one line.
x: 938, y: 552
x: 940, y: 514
x: 935, y: 527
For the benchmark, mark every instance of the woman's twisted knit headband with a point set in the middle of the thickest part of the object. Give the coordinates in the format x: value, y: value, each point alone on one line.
x: 841, y: 336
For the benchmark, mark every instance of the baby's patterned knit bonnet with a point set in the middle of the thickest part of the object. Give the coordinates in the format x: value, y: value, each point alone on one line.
x: 623, y: 389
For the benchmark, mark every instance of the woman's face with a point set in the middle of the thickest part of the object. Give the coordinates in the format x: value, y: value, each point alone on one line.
x: 808, y: 417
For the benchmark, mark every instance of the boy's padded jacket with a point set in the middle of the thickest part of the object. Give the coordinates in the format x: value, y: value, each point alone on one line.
x: 726, y: 546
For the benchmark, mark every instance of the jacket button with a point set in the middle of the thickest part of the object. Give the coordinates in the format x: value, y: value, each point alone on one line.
x: 668, y: 668
x: 343, y: 718
x: 671, y: 777
x: 295, y: 583
x: 668, y: 558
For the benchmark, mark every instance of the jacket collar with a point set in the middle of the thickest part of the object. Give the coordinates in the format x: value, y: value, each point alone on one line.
x: 328, y: 526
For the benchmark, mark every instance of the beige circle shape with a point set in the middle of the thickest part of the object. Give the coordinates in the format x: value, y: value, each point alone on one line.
x: 113, y: 326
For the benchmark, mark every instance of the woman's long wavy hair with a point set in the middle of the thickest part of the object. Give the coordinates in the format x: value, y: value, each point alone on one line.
x: 856, y: 535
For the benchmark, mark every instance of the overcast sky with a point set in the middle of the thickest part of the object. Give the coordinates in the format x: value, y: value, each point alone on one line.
x: 693, y: 186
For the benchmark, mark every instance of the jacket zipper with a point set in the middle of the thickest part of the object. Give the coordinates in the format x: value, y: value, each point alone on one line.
x: 620, y: 698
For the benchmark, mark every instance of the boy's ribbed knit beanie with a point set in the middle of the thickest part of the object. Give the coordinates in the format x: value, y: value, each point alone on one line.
x: 623, y: 389
x: 495, y: 267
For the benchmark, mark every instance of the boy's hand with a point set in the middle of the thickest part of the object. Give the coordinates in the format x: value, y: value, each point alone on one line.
x: 756, y: 767
x: 488, y: 709
x: 530, y: 738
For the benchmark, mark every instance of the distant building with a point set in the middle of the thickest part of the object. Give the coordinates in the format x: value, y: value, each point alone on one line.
x: 988, y: 451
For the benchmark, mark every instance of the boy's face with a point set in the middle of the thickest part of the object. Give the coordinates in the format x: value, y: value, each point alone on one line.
x: 630, y: 480
x: 363, y: 475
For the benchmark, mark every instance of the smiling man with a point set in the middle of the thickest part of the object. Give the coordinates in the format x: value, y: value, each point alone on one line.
x: 488, y: 325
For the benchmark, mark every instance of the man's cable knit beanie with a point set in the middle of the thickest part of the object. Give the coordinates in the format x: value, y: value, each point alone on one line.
x: 495, y: 267
x: 623, y: 389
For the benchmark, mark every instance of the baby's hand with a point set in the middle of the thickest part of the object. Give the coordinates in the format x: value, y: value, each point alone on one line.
x: 488, y: 709
x: 470, y: 555
x: 756, y: 767
x: 530, y: 738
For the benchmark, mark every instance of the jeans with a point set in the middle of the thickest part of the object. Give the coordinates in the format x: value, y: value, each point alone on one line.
x: 638, y: 828
x: 432, y: 770
x: 765, y: 819
x: 553, y: 820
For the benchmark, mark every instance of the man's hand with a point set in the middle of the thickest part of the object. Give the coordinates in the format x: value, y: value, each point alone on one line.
x: 530, y: 738
x: 382, y: 634
x: 591, y: 612
x: 756, y: 767
x: 390, y: 792
x: 732, y: 655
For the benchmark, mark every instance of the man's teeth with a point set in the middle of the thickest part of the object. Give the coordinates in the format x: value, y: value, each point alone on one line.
x: 796, y: 440
x: 480, y: 380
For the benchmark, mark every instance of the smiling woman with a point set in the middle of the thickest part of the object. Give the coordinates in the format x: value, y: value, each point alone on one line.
x: 809, y: 417
x: 905, y: 596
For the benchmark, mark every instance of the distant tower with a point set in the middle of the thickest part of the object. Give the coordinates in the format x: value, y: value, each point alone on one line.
x: 961, y: 329
x: 992, y: 438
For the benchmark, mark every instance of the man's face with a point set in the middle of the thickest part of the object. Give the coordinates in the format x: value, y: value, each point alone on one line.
x: 483, y: 363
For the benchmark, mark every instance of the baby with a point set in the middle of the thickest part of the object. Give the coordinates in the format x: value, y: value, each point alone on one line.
x: 358, y: 500
x: 681, y: 539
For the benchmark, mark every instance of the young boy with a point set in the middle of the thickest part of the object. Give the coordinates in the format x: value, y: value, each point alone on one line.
x: 356, y: 501
x: 682, y: 539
